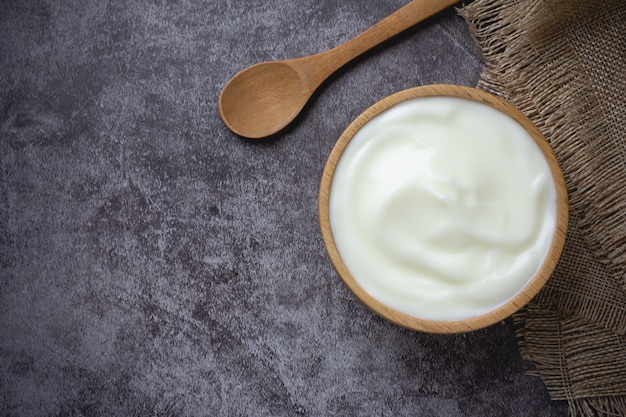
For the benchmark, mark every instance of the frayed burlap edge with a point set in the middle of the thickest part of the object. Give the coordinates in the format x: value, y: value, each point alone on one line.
x: 579, y: 362
x: 530, y: 63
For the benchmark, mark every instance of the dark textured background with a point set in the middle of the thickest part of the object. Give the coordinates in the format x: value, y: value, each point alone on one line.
x: 154, y: 264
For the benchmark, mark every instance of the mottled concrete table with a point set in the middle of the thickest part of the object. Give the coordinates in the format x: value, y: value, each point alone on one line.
x: 154, y: 264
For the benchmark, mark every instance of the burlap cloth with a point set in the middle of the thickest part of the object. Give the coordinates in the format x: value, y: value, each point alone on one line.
x: 563, y: 63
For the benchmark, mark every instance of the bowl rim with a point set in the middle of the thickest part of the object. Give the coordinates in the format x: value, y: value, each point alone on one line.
x: 525, y: 294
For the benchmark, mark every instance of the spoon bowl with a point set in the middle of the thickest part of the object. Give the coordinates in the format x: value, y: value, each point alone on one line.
x: 263, y: 99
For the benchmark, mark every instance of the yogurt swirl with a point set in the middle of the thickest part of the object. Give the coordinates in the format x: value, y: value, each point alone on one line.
x: 442, y: 208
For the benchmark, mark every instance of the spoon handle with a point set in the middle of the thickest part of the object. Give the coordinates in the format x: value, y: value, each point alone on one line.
x: 329, y: 61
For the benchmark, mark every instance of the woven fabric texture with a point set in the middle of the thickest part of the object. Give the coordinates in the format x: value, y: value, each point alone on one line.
x: 563, y: 64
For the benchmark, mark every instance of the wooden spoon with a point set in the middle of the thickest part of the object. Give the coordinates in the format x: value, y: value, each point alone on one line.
x: 264, y: 98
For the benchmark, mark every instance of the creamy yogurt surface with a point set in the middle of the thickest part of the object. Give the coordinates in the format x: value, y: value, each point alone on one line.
x: 442, y: 208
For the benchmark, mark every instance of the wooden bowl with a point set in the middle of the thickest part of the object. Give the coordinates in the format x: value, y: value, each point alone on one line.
x: 499, y: 313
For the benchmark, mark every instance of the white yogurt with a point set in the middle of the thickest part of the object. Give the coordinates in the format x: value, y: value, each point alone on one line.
x: 442, y: 208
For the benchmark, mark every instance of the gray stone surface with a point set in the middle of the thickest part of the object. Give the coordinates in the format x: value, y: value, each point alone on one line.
x: 154, y: 264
